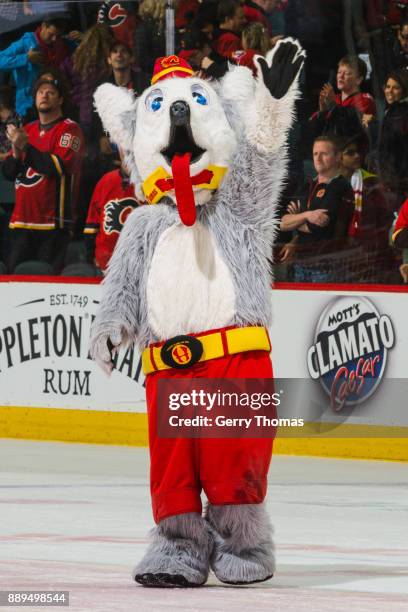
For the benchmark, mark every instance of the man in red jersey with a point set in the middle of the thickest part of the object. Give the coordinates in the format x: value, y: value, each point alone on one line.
x: 112, y: 202
x: 45, y: 163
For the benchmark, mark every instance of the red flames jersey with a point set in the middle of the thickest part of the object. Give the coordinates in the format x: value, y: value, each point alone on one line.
x: 363, y: 102
x: 120, y: 20
x: 47, y: 189
x: 112, y: 202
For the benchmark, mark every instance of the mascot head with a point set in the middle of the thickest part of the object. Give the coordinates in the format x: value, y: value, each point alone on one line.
x: 176, y: 135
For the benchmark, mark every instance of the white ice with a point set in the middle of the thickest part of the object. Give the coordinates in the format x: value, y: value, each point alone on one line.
x: 76, y: 517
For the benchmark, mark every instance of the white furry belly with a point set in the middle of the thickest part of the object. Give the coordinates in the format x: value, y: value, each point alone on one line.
x: 189, y: 288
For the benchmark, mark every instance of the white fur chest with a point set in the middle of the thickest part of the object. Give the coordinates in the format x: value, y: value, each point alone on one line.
x: 189, y: 288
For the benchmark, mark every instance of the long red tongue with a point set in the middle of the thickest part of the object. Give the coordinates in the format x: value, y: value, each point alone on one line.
x: 180, y: 166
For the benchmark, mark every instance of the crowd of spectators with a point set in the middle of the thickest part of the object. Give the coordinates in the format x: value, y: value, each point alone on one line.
x: 64, y: 187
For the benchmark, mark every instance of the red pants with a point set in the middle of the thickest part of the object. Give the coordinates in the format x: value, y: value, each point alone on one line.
x: 229, y: 470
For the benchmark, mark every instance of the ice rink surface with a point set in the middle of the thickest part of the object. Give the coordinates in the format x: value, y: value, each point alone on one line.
x: 75, y: 518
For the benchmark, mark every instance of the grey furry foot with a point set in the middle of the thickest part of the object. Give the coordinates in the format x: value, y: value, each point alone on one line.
x: 179, y: 555
x: 243, y: 548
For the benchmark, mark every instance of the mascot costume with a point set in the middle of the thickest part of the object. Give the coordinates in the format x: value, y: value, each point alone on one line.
x: 191, y: 272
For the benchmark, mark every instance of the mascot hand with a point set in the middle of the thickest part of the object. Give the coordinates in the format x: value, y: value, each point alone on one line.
x: 104, y: 346
x: 287, y: 60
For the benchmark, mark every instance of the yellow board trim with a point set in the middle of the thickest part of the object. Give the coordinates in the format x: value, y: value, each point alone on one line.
x: 124, y: 428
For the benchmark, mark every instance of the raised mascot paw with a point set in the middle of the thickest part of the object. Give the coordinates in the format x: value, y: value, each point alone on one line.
x: 287, y: 60
x: 103, y: 347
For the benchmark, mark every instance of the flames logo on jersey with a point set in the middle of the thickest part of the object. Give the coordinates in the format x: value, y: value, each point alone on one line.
x: 349, y: 351
x: 116, y: 16
x: 29, y: 179
x: 115, y: 214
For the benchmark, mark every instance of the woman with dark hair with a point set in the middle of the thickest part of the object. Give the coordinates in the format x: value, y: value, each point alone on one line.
x: 393, y: 140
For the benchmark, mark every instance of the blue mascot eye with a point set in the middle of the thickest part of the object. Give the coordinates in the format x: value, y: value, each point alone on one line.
x: 154, y: 100
x: 199, y: 98
x: 200, y: 94
x: 156, y: 104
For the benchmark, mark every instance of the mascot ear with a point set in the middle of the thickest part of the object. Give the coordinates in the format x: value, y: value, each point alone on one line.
x: 116, y: 107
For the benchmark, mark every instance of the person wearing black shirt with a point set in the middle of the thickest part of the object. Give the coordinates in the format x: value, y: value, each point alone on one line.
x: 321, y: 217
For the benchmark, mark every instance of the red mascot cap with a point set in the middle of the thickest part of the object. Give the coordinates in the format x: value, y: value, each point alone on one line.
x: 171, y: 66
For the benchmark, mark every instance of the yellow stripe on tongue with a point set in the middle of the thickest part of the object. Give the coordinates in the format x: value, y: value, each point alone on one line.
x: 180, y: 167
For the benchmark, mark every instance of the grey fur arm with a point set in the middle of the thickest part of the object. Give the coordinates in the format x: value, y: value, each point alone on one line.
x: 117, y: 319
x: 262, y: 113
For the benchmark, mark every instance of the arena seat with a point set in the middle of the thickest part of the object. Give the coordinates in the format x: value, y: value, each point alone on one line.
x: 81, y: 269
x: 35, y: 268
x: 76, y: 253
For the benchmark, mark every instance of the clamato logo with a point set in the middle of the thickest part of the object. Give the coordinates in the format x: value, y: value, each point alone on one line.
x: 350, y: 348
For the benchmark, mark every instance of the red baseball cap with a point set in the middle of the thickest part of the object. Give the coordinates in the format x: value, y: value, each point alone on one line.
x: 171, y: 66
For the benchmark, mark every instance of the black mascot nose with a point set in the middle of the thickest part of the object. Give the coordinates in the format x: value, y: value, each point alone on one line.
x: 179, y: 112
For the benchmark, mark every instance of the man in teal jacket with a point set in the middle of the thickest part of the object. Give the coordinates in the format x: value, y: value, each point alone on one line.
x: 25, y: 57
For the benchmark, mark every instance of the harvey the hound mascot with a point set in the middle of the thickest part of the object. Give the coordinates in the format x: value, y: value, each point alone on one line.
x: 192, y: 268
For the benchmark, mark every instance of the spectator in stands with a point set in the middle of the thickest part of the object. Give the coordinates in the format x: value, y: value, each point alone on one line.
x: 33, y: 51
x: 393, y: 139
x: 112, y: 202
x: 150, y: 34
x: 372, y: 218
x: 231, y: 19
x: 46, y: 164
x: 346, y: 112
x: 8, y: 115
x: 85, y: 68
x: 255, y: 41
x: 322, y: 216
x: 121, y: 18
x: 123, y: 73
x: 120, y: 61
x: 257, y: 10
x: 400, y: 49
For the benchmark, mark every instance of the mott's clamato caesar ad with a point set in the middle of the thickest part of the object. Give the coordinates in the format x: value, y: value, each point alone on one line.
x: 350, y: 348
